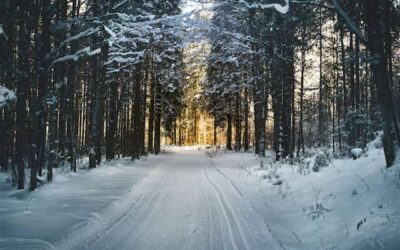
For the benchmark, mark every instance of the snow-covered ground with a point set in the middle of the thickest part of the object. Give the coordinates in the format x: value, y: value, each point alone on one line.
x: 37, y: 220
x: 351, y: 204
x: 196, y: 199
x: 6, y: 96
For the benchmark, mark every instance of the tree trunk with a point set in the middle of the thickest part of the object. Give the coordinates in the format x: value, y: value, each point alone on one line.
x: 43, y: 85
x: 150, y: 141
x: 137, y: 112
x: 300, y: 139
x: 246, y: 120
x: 380, y: 76
x: 157, y: 117
x: 238, y: 125
x: 71, y: 121
x: 8, y: 65
x: 22, y: 90
x: 321, y: 87
x: 112, y: 121
x: 229, y: 132
x: 344, y: 71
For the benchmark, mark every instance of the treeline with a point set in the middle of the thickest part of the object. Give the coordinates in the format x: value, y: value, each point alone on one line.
x: 89, y: 76
x: 104, y: 79
x: 321, y: 75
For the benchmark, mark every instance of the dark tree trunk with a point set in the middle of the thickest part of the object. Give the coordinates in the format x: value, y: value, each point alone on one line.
x: 287, y: 95
x: 112, y: 121
x: 59, y: 77
x: 321, y: 83
x: 43, y: 85
x: 150, y: 141
x: 229, y: 132
x: 71, y: 117
x: 137, y: 112
x: 94, y: 109
x: 144, y: 110
x: 215, y: 132
x: 300, y: 139
x: 388, y: 5
x: 344, y: 73
x: 8, y: 65
x: 238, y: 123
x: 246, y: 120
x: 157, y: 116
x: 101, y: 101
x: 380, y: 75
x: 22, y: 91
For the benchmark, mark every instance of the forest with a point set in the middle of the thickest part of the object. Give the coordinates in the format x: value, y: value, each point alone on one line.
x: 83, y: 82
x: 106, y: 78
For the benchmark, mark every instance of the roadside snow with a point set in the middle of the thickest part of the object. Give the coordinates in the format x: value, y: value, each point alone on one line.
x: 6, y: 97
x: 356, y: 153
x: 351, y: 204
x: 37, y: 220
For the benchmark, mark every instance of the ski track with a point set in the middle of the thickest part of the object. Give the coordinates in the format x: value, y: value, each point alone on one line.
x: 231, y: 181
x: 210, y: 227
x: 145, y: 205
x: 227, y: 211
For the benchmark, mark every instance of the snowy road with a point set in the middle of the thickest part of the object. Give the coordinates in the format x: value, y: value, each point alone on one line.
x: 183, y: 203
x: 184, y: 199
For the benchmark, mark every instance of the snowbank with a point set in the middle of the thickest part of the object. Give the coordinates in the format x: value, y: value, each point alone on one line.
x: 36, y: 220
x: 356, y: 153
x: 6, y: 97
x: 349, y: 204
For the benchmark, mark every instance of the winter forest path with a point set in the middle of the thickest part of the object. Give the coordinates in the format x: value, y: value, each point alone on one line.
x: 183, y: 203
x: 178, y: 200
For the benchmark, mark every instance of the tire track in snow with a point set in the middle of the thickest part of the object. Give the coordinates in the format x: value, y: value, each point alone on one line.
x: 229, y: 214
x: 143, y: 208
x: 210, y: 227
x: 153, y: 195
x: 24, y: 244
x: 267, y: 227
x: 89, y: 233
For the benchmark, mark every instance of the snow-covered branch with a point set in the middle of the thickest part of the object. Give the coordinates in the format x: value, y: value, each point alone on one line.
x: 119, y: 4
x: 85, y: 33
x: 349, y: 22
x: 341, y: 12
x: 283, y: 9
x: 75, y: 57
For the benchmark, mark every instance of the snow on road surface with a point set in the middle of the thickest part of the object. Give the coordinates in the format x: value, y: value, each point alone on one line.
x: 182, y: 204
x: 37, y: 220
x: 187, y: 199
x: 177, y: 201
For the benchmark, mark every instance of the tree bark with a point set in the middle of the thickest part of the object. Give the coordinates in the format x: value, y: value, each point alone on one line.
x: 380, y: 76
x: 246, y: 120
x: 238, y: 125
x: 137, y: 112
x: 229, y: 132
